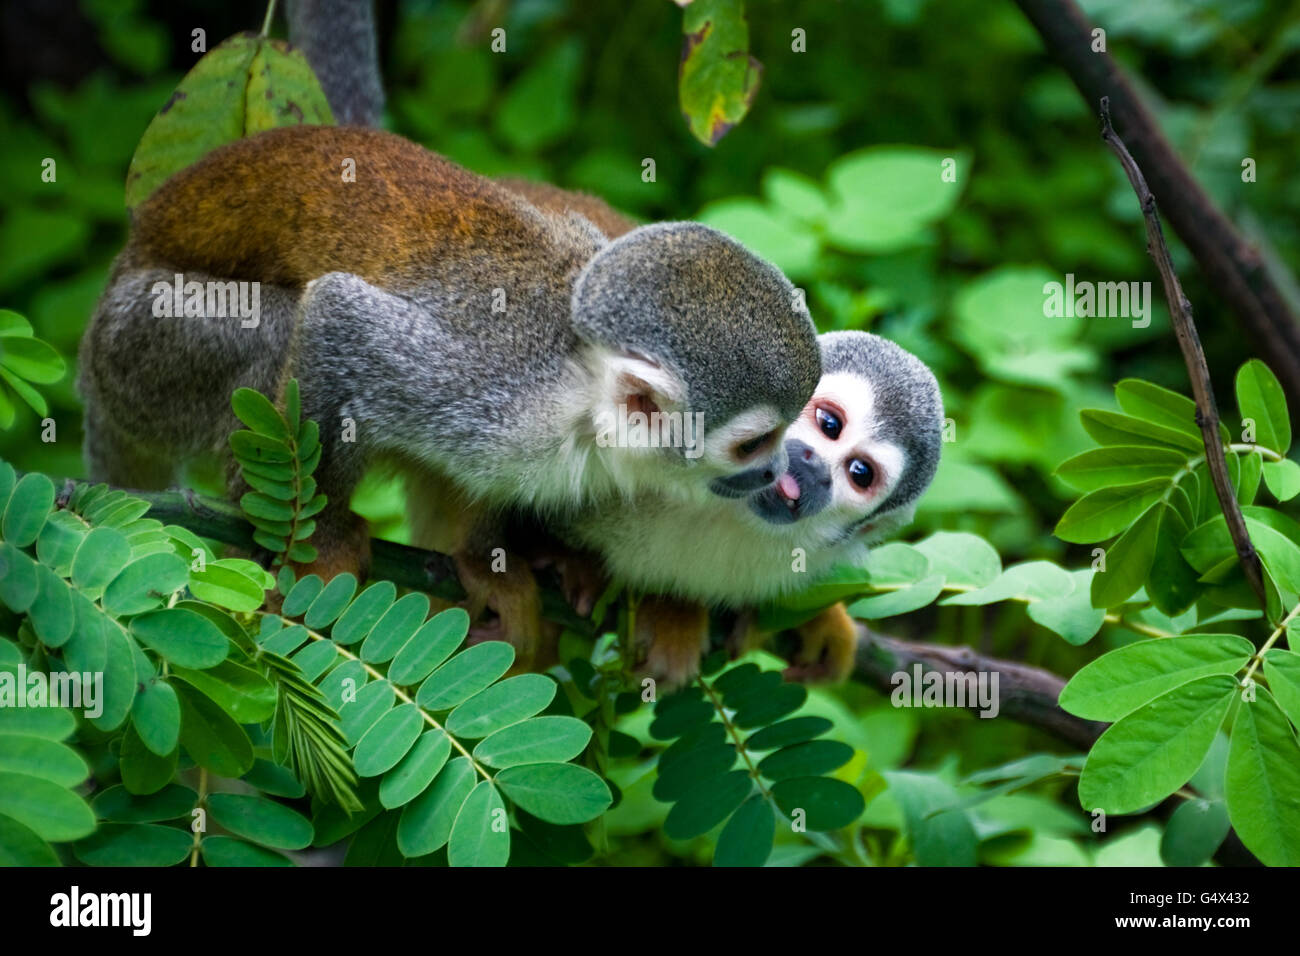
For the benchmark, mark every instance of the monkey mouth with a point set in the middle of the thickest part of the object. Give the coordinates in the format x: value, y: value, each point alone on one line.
x: 780, y: 502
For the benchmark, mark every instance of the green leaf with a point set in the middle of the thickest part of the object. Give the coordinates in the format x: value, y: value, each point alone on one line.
x: 263, y: 821
x: 432, y: 644
x: 1261, y: 399
x: 707, y: 805
x: 119, y: 805
x: 395, y: 628
x: 1027, y: 581
x: 689, y: 768
x: 1282, y: 478
x: 101, y: 555
x: 1173, y: 585
x: 1263, y: 782
x: 247, y: 84
x: 388, y: 741
x: 52, y: 722
x: 1113, y: 428
x: 806, y: 759
x: 227, y: 851
x: 1119, y: 682
x: 904, y: 601
x: 51, y: 811
x: 156, y: 716
x: 227, y: 587
x: 746, y: 840
x: 142, y: 584
x: 211, y: 737
x: 465, y: 675
x: 1117, y: 465
x: 827, y: 803
x: 359, y: 715
x: 481, y: 835
x: 1160, y: 406
x: 21, y: 846
x: 240, y: 691
x: 416, y: 770
x: 885, y: 198
x: 425, y: 823
x: 717, y: 79
x: 505, y: 703
x: 143, y: 771
x: 793, y: 731
x: 183, y: 637
x: 1154, y: 750
x: 18, y: 579
x: 1194, y: 831
x: 938, y: 828
x: 1128, y: 561
x: 1104, y: 513
x: 42, y: 757
x: 538, y: 740
x: 556, y: 792
x: 134, y: 844
x: 52, y: 613
x: 256, y: 411
x: 963, y: 559
x: 29, y: 505
x: 1072, y: 615
x: 32, y: 359
x: 331, y: 602
x: 1282, y: 668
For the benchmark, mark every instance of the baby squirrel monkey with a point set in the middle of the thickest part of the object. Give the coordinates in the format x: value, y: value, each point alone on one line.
x: 861, y: 453
x: 441, y: 322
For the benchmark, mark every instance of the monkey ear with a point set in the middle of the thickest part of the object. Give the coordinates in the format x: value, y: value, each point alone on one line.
x: 636, y: 383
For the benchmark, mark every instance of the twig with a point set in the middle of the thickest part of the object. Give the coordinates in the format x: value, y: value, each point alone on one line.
x: 1180, y: 314
x: 1027, y: 694
x: 1233, y: 267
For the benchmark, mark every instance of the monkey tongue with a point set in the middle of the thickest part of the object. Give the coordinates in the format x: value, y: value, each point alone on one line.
x: 788, y: 486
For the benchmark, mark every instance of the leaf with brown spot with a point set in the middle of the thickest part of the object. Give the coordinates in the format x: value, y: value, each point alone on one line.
x: 246, y: 85
x: 717, y: 79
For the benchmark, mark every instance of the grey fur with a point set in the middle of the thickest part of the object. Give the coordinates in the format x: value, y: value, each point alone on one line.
x: 663, y: 283
x: 434, y: 378
x: 338, y: 39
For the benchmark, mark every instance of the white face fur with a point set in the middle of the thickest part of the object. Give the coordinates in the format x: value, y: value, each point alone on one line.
x: 838, y: 424
x: 651, y: 443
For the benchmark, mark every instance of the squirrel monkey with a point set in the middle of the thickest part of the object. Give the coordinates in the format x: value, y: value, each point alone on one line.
x: 861, y: 453
x: 442, y: 323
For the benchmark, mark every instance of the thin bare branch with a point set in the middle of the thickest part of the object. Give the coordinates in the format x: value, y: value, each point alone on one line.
x: 1180, y: 314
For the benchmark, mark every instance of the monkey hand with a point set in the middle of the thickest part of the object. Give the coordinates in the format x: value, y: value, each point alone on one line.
x: 342, y: 543
x: 826, y: 647
x: 671, y: 637
x: 512, y: 592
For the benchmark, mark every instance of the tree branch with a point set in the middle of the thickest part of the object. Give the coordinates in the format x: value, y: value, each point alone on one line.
x: 1026, y: 694
x: 1180, y: 314
x: 1234, y: 268
x: 338, y: 39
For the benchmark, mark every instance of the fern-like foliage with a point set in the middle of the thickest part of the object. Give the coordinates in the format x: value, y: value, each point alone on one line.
x: 459, y: 754
x: 742, y: 756
x: 277, y: 454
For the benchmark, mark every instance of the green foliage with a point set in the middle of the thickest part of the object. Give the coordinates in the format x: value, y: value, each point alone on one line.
x: 273, y: 87
x: 24, y: 359
x: 744, y: 716
x: 718, y: 78
x: 277, y: 454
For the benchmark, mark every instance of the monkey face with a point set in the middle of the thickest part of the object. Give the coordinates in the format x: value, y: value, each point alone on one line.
x: 840, y: 468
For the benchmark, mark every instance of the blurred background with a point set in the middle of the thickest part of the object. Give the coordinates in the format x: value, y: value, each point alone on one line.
x: 588, y: 91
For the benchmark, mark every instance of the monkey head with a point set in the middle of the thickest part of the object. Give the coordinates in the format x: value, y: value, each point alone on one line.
x: 864, y: 447
x: 699, y: 353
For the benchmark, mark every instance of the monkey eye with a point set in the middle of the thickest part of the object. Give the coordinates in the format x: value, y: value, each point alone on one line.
x: 829, y: 423
x: 747, y: 448
x: 861, y: 473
